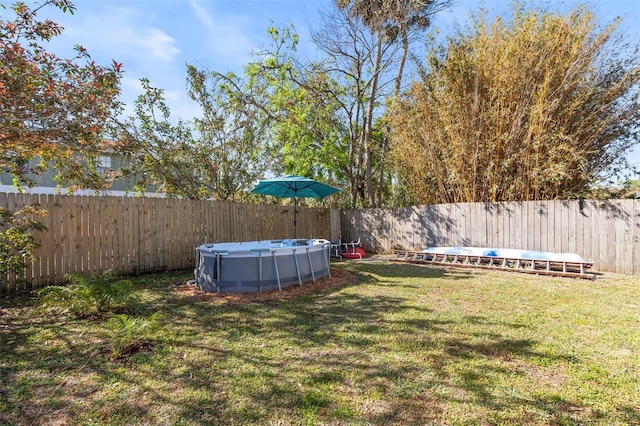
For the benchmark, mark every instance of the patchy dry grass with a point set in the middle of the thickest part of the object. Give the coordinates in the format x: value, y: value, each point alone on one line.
x: 380, y: 344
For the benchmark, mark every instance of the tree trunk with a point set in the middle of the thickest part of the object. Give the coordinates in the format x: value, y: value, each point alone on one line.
x: 368, y: 126
x: 396, y: 93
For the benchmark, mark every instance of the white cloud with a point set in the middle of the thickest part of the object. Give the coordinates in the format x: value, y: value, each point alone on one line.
x: 203, y: 15
x: 228, y: 36
x: 123, y: 32
x: 132, y: 34
x: 157, y: 44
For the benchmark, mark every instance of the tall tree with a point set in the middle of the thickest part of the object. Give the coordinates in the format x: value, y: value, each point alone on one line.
x: 51, y: 108
x: 360, y: 63
x: 233, y: 132
x: 390, y: 22
x: 160, y: 153
x: 310, y: 131
x: 540, y: 107
x: 218, y: 156
x: 277, y: 117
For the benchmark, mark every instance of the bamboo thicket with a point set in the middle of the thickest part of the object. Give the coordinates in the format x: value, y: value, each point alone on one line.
x: 538, y: 108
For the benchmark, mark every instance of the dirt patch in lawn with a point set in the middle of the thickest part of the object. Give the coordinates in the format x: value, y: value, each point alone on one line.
x: 339, y: 278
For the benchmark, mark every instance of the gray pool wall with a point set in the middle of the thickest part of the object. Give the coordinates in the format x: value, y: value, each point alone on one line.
x: 260, y: 266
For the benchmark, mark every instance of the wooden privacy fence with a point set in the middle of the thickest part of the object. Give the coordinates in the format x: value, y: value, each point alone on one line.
x: 604, y: 232
x: 88, y: 235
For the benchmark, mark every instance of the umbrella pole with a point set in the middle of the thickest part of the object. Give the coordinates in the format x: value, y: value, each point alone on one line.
x: 295, y: 218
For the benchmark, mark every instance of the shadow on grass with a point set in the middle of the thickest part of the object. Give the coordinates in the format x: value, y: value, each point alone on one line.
x: 395, y: 270
x: 339, y: 334
x: 341, y: 356
x: 389, y: 273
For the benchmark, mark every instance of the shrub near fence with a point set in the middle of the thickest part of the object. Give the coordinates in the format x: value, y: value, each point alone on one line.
x: 604, y: 232
x: 88, y: 235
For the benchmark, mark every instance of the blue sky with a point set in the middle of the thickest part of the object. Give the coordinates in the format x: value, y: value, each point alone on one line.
x: 156, y: 38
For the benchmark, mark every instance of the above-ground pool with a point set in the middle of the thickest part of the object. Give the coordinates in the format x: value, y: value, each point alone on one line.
x: 254, y: 266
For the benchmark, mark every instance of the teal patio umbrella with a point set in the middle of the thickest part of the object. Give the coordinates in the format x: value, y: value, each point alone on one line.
x: 293, y: 187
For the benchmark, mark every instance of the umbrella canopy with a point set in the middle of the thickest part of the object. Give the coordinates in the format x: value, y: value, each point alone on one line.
x: 293, y: 187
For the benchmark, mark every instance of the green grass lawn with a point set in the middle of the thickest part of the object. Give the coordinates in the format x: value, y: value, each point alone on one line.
x: 400, y: 344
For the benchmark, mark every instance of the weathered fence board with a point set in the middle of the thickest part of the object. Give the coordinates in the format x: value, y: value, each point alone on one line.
x: 604, y: 232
